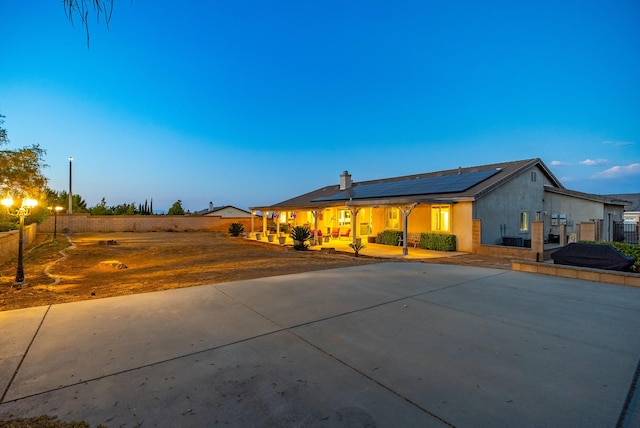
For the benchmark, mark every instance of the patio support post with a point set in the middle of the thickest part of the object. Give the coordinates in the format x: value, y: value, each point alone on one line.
x: 264, y: 223
x: 252, y: 215
x: 405, y: 224
x: 354, y: 224
x: 315, y: 226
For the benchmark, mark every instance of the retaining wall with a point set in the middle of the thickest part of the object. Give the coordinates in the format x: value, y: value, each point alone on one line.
x: 9, y: 242
x: 588, y: 274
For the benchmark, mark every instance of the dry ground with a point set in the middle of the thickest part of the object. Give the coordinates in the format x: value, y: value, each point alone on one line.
x: 115, y: 264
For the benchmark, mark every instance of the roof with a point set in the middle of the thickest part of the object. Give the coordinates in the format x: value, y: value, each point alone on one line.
x: 606, y: 199
x: 215, y: 209
x: 632, y: 200
x: 447, y: 186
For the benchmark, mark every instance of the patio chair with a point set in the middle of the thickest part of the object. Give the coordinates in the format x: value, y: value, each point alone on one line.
x: 346, y: 233
x: 335, y: 232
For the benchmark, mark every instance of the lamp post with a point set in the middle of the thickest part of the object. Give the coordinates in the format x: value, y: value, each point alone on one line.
x: 55, y: 210
x: 70, y: 194
x: 23, y: 211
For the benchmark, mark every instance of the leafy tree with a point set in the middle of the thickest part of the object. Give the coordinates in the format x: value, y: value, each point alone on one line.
x: 176, y: 208
x: 100, y: 209
x: 61, y: 198
x: 21, y: 169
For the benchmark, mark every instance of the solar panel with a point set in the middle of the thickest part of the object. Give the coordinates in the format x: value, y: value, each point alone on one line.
x: 417, y: 186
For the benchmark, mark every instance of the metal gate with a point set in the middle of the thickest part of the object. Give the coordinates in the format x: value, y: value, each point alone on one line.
x: 625, y: 232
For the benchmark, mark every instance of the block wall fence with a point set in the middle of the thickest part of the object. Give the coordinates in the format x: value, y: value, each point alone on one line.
x: 78, y: 223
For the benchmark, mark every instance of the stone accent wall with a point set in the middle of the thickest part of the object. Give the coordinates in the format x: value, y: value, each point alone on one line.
x: 77, y: 223
x: 9, y: 242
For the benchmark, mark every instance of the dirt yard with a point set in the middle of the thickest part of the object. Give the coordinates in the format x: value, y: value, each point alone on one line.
x: 94, y: 266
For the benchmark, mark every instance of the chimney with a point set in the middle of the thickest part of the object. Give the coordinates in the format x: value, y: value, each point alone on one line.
x: 210, y: 206
x: 345, y: 180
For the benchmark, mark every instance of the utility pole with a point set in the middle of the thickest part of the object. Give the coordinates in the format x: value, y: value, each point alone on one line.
x: 70, y: 193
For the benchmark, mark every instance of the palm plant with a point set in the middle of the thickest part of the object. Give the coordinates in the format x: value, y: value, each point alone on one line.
x: 299, y: 234
x: 357, y: 247
x: 235, y: 229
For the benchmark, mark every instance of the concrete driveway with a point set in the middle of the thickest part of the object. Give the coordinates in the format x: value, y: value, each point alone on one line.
x: 393, y: 344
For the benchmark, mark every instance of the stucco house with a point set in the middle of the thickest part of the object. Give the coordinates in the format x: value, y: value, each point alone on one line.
x: 502, y: 199
x: 226, y: 211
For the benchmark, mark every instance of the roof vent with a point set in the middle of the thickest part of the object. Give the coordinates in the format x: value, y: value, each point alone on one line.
x: 345, y: 180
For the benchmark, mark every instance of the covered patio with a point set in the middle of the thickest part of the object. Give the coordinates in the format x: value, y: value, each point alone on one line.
x: 370, y: 249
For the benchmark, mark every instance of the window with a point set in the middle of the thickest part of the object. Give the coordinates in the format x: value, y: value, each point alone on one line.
x: 534, y: 176
x: 524, y: 221
x: 391, y: 218
x: 538, y: 216
x: 440, y: 218
x: 345, y: 218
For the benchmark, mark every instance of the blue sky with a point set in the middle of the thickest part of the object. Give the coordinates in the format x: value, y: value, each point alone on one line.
x: 248, y: 103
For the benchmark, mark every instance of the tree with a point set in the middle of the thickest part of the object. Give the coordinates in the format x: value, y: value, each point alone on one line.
x: 21, y: 169
x: 176, y: 208
x: 100, y: 209
x: 81, y: 9
x: 61, y: 198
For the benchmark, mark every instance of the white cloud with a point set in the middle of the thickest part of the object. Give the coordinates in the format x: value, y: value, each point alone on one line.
x: 591, y: 162
x: 559, y: 163
x: 618, y: 143
x: 619, y: 171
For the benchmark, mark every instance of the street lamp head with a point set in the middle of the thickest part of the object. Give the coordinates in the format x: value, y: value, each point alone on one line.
x: 58, y: 209
x: 29, y: 203
x: 7, y: 202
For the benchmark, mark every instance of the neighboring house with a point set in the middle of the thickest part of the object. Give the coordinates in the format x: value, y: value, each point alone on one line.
x: 504, y: 197
x: 226, y: 211
x: 632, y: 208
x: 629, y: 231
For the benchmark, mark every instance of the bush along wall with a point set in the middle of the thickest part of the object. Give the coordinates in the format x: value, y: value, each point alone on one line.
x: 438, y: 241
x: 389, y: 237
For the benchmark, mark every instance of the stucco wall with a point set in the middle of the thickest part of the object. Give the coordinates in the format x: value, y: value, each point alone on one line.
x: 462, y: 225
x: 137, y: 223
x: 503, y: 206
x: 9, y: 242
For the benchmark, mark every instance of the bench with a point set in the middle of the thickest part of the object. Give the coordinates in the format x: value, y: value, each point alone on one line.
x: 412, y: 239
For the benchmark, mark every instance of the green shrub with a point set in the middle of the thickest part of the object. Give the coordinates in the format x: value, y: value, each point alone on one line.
x: 389, y: 237
x: 299, y: 234
x: 235, y: 229
x: 438, y: 241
